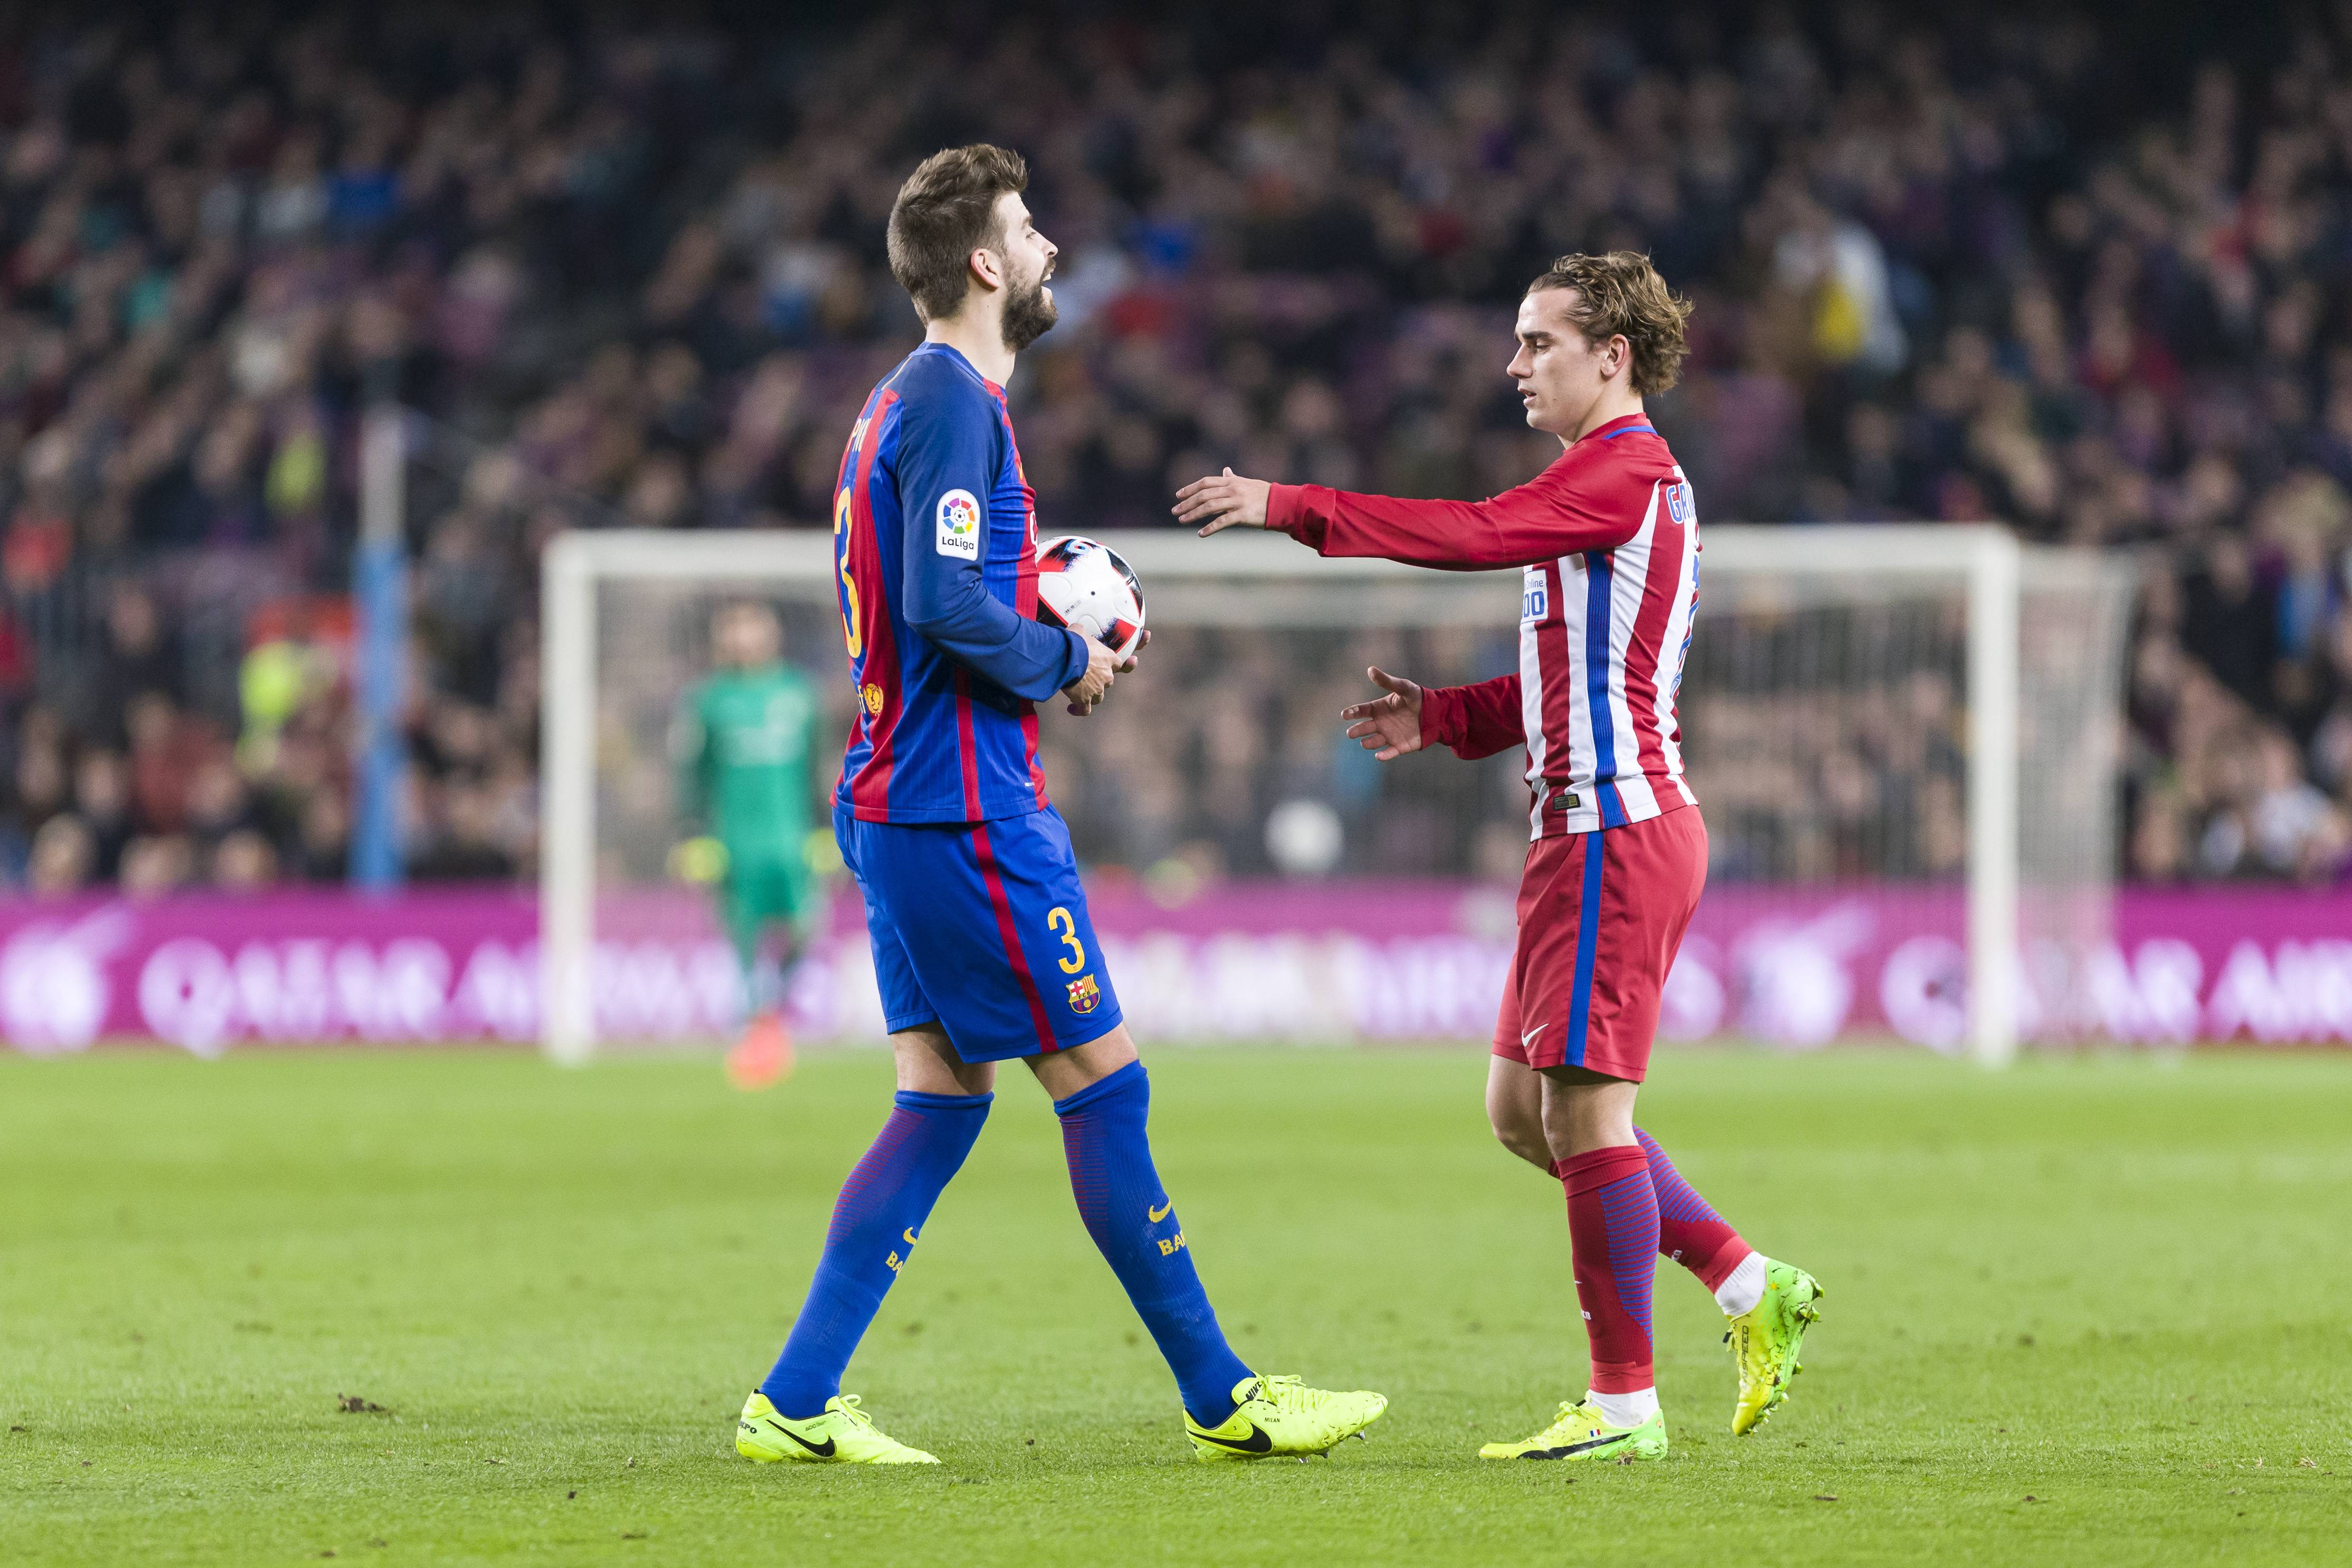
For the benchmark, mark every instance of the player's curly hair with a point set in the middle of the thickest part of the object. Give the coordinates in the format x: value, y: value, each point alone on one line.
x: 1620, y: 294
x: 945, y: 211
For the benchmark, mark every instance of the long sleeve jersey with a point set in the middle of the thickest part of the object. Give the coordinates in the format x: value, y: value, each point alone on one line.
x: 934, y: 533
x: 1607, y: 541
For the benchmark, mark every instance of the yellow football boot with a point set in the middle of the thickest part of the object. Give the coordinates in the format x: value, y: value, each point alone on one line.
x: 1582, y: 1432
x: 1766, y: 1340
x: 1281, y: 1416
x: 841, y: 1433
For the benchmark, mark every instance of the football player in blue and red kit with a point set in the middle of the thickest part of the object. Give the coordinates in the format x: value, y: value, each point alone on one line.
x: 982, y: 948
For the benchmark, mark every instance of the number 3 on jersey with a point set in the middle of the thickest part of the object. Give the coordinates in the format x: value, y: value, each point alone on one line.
x: 849, y: 589
x: 1058, y: 920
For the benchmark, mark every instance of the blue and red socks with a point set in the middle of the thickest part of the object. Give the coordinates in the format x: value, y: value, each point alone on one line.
x: 1694, y: 1235
x: 1626, y: 1206
x: 882, y: 1207
x: 1613, y: 1233
x: 1135, y: 1225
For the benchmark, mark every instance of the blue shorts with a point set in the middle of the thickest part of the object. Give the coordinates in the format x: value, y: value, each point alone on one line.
x: 982, y: 927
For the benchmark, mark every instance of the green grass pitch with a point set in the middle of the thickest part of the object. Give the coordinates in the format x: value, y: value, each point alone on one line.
x: 2089, y: 1310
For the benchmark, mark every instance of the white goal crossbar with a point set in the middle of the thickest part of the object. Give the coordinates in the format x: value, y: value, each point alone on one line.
x: 1244, y: 579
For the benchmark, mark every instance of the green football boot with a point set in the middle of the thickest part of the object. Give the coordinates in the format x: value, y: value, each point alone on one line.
x: 841, y: 1433
x: 1281, y: 1416
x: 1765, y: 1341
x: 1582, y: 1432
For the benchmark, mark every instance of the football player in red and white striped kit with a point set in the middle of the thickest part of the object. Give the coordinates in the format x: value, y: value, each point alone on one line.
x: 1606, y: 541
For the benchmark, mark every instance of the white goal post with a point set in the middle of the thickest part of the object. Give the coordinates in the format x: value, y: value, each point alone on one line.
x: 1243, y: 580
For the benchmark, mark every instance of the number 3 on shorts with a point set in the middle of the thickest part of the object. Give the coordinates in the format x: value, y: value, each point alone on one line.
x: 1058, y: 920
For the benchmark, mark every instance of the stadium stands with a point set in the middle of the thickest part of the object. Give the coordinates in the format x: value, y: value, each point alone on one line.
x: 636, y: 276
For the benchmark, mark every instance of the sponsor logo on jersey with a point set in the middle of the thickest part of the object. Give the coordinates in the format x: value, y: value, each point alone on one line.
x: 1536, y: 604
x: 958, y: 521
x: 872, y: 694
x: 1085, y: 994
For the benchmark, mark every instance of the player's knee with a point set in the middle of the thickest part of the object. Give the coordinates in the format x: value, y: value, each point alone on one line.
x: 1520, y: 1134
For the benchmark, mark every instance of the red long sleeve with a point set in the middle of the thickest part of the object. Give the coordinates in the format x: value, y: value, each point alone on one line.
x: 1582, y: 502
x: 1476, y: 721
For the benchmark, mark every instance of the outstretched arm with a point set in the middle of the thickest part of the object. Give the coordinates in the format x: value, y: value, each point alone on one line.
x: 1476, y: 721
x: 1557, y: 513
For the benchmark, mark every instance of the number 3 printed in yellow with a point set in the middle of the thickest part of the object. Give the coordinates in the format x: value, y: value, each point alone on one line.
x: 1058, y: 920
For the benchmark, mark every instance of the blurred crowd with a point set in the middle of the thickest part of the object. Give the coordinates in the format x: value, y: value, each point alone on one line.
x: 2035, y: 266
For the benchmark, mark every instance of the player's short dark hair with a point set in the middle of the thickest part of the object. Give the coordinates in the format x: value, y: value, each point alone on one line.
x: 945, y: 211
x: 1622, y: 295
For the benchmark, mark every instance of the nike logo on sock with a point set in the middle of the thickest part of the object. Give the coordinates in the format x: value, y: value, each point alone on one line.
x: 1157, y: 1215
x: 1257, y: 1441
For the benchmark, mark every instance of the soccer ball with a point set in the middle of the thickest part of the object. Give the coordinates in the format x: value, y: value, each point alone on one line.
x: 1085, y: 586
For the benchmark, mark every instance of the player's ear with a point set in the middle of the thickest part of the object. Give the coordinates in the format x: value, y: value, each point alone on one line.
x: 987, y: 267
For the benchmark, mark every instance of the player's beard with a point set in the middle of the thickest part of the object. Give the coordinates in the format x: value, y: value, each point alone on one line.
x: 1027, y: 315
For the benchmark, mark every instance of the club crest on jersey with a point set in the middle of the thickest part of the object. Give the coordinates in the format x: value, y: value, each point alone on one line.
x: 871, y: 695
x: 1085, y: 994
x: 1537, y: 601
x: 958, y: 525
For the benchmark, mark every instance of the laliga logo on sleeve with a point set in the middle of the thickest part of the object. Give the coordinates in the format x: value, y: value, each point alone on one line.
x: 958, y: 525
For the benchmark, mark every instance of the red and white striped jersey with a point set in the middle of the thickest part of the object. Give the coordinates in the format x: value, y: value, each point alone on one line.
x: 1607, y: 538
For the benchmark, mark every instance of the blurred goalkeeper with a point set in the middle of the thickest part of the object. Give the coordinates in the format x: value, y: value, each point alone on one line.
x: 1607, y: 539
x: 742, y: 742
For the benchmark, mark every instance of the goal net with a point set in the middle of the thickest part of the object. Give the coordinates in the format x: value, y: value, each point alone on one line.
x: 1905, y: 739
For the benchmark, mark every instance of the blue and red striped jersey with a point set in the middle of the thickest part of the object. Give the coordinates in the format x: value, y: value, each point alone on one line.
x: 934, y: 533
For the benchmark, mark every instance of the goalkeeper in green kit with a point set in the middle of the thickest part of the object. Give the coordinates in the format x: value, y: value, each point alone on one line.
x: 743, y: 743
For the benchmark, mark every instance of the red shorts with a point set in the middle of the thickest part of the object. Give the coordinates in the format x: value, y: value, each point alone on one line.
x: 1601, y: 917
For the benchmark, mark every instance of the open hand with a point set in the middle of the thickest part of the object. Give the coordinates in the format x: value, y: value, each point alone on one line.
x: 1387, y: 726
x: 1222, y: 501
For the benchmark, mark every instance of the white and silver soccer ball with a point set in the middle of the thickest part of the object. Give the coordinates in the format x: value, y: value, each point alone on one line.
x: 1084, y: 585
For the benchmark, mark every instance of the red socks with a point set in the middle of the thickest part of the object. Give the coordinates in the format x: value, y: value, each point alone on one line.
x: 1613, y: 1228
